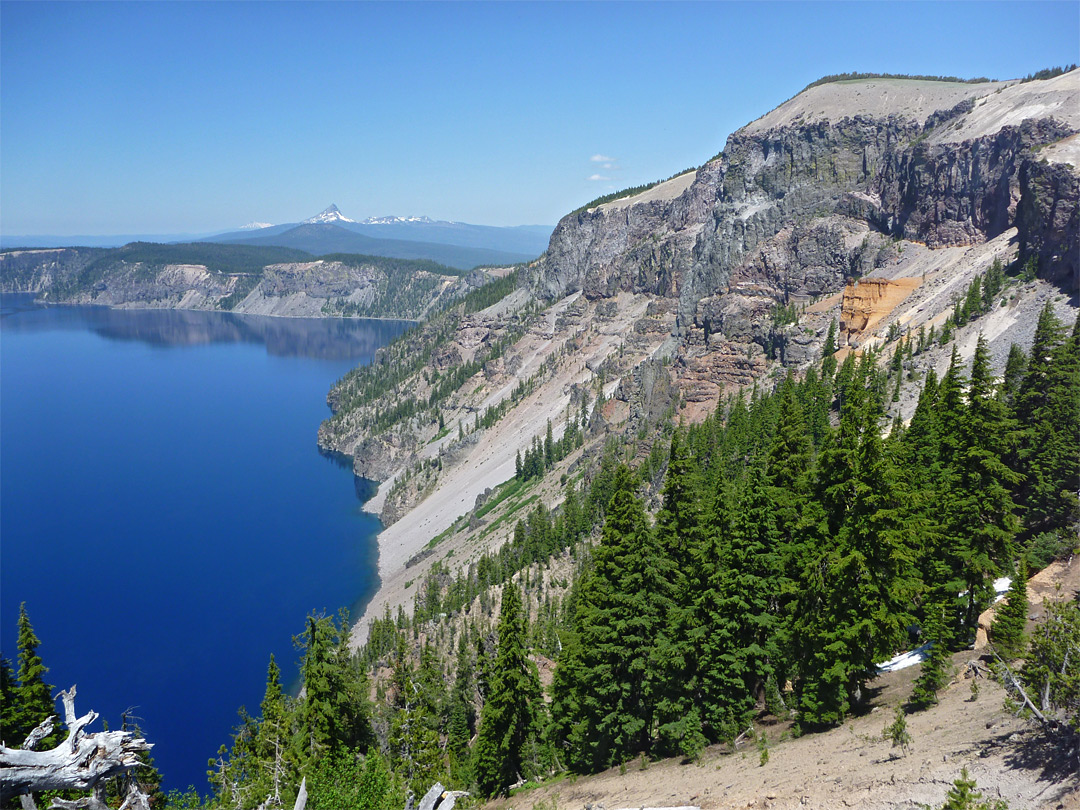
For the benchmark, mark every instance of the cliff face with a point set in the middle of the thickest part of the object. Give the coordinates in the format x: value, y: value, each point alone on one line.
x: 773, y: 213
x: 36, y: 271
x: 296, y: 289
x: 1047, y: 221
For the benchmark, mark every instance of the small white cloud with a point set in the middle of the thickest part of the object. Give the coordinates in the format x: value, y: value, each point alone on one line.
x: 602, y: 159
x: 598, y: 177
x: 611, y: 166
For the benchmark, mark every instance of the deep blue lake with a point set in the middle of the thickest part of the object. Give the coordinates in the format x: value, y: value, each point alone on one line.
x: 165, y: 513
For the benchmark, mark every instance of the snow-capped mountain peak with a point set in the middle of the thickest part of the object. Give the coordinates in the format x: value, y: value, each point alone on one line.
x: 394, y: 220
x: 331, y: 214
x: 254, y: 226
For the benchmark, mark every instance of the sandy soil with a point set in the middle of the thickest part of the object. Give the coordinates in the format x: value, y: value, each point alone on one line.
x: 668, y: 190
x: 876, y: 97
x: 851, y: 766
x: 998, y: 104
x: 1008, y: 106
x: 1064, y: 151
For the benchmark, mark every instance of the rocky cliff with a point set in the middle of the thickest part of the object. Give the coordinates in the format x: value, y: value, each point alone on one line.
x: 142, y: 276
x: 872, y: 204
x: 818, y: 192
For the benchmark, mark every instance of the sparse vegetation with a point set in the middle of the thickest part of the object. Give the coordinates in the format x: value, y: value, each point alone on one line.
x: 628, y: 192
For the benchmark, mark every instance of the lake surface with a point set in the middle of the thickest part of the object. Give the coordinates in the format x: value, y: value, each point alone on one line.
x: 165, y: 513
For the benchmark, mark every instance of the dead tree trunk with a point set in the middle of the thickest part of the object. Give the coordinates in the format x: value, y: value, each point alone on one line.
x: 80, y: 762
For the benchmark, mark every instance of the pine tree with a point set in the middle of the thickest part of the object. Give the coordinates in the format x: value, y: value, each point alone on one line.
x: 1015, y: 368
x: 963, y: 796
x: 461, y: 722
x: 271, y: 740
x: 334, y: 710
x: 1049, y: 408
x: 607, y: 680
x: 684, y: 558
x: 828, y: 352
x: 898, y: 732
x: 1007, y: 632
x: 740, y: 648
x: 510, y: 720
x: 980, y: 505
x: 7, y: 704
x: 412, y: 742
x: 854, y: 598
x: 33, y: 700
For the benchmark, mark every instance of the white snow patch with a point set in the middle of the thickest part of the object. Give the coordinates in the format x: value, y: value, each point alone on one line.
x: 1001, y: 587
x: 394, y: 220
x: 905, y: 660
x: 254, y: 226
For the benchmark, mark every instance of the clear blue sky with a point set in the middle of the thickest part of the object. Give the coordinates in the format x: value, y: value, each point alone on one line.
x: 194, y: 117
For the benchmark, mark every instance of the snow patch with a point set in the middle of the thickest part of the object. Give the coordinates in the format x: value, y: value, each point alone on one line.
x: 905, y: 660
x: 395, y: 220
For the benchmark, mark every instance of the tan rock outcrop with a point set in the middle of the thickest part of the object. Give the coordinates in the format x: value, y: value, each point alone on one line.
x: 866, y: 302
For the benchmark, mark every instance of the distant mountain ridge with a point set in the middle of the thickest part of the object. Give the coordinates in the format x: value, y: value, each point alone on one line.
x: 455, y: 244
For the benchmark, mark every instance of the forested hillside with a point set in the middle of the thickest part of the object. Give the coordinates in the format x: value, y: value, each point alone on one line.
x: 801, y: 539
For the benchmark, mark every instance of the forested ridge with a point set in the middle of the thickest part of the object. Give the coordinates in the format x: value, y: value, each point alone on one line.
x: 796, y: 538
x: 801, y: 538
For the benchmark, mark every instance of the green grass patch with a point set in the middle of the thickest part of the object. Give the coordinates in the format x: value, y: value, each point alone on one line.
x: 507, y: 489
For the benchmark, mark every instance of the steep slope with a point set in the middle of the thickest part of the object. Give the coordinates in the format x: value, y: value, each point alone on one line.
x: 722, y: 277
x: 259, y: 280
x: 820, y: 190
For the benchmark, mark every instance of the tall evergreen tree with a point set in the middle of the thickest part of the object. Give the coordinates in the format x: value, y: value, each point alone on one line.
x: 740, y: 649
x: 412, y: 741
x: 1049, y: 409
x: 510, y: 720
x: 461, y: 721
x: 685, y: 556
x: 33, y: 696
x: 980, y: 508
x: 277, y: 766
x: 606, y: 714
x: 855, y: 596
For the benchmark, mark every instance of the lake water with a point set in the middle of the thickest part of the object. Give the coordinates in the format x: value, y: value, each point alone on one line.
x: 165, y: 513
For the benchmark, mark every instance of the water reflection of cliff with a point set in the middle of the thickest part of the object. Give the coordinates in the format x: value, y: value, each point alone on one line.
x: 318, y: 338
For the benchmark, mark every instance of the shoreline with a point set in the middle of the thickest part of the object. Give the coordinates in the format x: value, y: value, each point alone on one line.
x: 135, y: 306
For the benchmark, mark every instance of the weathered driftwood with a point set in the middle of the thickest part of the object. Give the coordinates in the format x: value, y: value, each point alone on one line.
x: 432, y: 796
x: 301, y: 796
x: 80, y: 762
x: 439, y: 798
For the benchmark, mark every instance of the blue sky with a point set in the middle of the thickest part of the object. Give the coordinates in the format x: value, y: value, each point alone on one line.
x: 194, y: 117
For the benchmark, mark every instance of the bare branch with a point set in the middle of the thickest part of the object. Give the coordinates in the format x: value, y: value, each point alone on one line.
x: 80, y: 762
x: 44, y: 729
x: 301, y: 796
x: 1019, y: 689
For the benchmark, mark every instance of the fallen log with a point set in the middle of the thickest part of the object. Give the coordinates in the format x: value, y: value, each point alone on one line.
x: 80, y: 762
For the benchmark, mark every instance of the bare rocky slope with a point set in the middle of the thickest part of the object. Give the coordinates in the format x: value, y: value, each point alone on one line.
x: 871, y: 203
x: 865, y: 192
